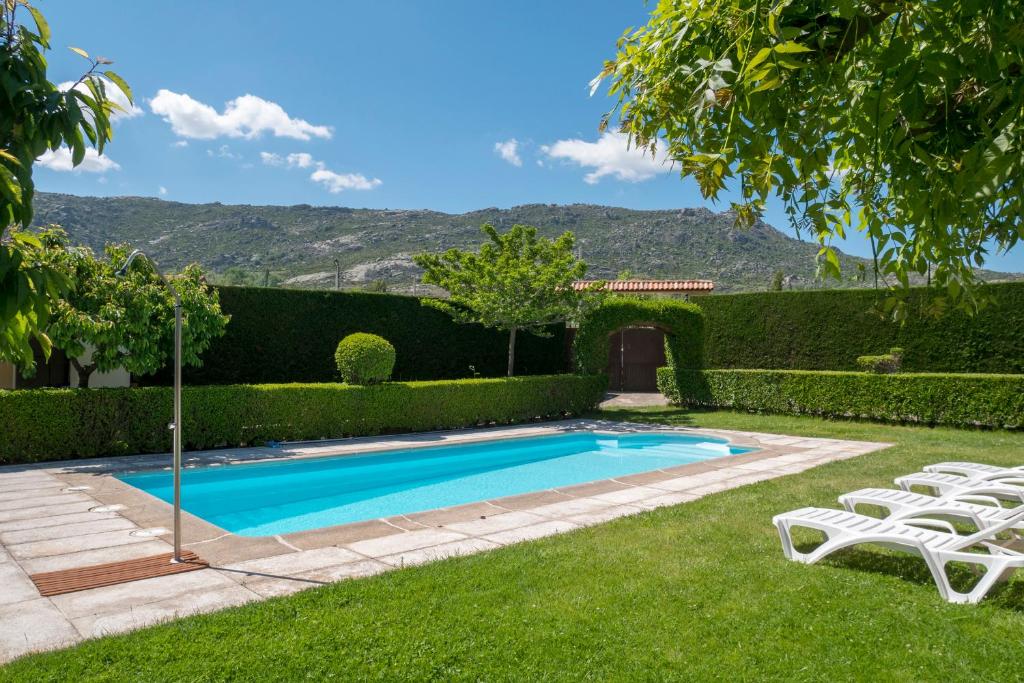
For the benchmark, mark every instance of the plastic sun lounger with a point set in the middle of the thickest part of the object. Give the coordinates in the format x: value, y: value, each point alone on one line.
x: 844, y: 529
x: 976, y: 469
x: 943, y: 484
x: 981, y: 510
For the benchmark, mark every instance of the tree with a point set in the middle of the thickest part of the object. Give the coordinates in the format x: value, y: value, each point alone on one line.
x: 380, y: 286
x: 37, y: 116
x: 128, y: 321
x: 778, y: 280
x: 902, y: 120
x: 516, y: 282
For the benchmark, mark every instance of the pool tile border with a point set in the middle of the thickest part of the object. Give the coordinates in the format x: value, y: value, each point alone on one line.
x: 34, y: 499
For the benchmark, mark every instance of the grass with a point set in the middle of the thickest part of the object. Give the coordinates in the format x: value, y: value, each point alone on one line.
x: 697, y: 591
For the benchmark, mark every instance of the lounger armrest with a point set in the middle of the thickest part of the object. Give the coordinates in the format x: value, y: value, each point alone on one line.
x: 989, y: 533
x: 940, y: 524
x: 977, y: 498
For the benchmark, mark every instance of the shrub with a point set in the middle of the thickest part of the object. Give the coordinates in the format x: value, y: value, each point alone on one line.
x: 365, y: 358
x: 682, y: 322
x: 289, y: 335
x: 958, y: 400
x: 54, y: 424
x: 885, y: 364
x: 827, y: 330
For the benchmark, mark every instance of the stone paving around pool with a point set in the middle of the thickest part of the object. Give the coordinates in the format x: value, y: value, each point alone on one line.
x: 71, y: 514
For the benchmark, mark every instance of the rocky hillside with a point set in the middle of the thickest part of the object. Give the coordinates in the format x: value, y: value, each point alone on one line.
x: 298, y: 244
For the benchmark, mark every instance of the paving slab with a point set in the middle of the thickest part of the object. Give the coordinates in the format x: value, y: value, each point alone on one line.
x: 16, y: 586
x: 41, y: 511
x: 398, y: 543
x: 53, y: 532
x: 152, y: 613
x: 529, y: 533
x: 43, y: 500
x: 495, y: 523
x: 87, y: 558
x: 56, y: 520
x: 64, y: 546
x: 31, y: 626
x: 293, y: 563
x: 315, y: 578
x: 468, y: 546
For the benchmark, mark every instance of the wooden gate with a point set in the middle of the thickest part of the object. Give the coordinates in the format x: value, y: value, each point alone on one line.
x: 634, y: 355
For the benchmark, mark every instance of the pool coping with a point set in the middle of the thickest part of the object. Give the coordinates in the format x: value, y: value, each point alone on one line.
x: 245, y: 568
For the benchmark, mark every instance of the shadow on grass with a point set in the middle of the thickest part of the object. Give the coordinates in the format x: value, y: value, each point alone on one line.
x: 1007, y: 595
x: 658, y: 415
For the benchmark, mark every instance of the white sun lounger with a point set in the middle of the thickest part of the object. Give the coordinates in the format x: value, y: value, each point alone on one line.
x: 976, y: 469
x: 844, y: 529
x: 943, y: 484
x: 981, y: 510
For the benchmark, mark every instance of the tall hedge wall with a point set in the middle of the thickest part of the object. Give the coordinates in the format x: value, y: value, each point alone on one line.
x: 55, y: 424
x: 287, y: 335
x: 827, y: 330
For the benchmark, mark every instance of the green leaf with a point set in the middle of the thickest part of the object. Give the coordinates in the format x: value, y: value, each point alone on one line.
x: 791, y: 47
x: 120, y: 83
x: 41, y: 26
x: 80, y: 51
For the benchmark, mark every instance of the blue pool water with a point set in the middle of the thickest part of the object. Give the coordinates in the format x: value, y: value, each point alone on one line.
x: 262, y: 499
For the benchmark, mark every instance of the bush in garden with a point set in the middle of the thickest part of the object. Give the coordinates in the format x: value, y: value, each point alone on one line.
x: 884, y: 364
x: 365, y: 358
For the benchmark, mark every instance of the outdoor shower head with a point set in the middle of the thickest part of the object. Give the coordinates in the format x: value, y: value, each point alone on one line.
x: 123, y: 270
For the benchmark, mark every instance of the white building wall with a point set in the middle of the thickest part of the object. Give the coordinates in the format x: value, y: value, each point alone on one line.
x: 99, y: 380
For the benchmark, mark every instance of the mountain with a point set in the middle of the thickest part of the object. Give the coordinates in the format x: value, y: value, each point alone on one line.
x: 298, y: 244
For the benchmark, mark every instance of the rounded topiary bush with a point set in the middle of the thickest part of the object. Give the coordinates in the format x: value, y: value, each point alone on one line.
x: 365, y: 358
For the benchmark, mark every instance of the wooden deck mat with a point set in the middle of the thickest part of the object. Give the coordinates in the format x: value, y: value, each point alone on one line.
x: 113, y: 573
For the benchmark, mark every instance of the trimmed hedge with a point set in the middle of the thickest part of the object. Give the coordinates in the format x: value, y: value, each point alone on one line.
x: 290, y: 335
x: 54, y: 424
x: 958, y: 400
x: 682, y: 322
x: 827, y: 330
x: 364, y: 359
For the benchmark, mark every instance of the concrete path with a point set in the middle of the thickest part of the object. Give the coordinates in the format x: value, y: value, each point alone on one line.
x: 74, y: 514
x: 633, y: 400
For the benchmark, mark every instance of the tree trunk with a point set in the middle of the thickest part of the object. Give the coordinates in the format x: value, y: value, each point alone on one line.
x: 511, y: 350
x: 84, y: 372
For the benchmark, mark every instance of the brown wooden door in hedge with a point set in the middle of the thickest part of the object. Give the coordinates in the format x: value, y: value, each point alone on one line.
x: 634, y: 355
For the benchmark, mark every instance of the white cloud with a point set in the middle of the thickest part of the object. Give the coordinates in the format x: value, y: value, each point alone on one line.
x: 332, y: 181
x: 224, y: 152
x: 336, y: 182
x: 302, y: 160
x: 114, y: 94
x: 247, y: 116
x: 509, y: 151
x: 180, y: 143
x: 92, y: 163
x: 611, y: 156
x: 163, y: 191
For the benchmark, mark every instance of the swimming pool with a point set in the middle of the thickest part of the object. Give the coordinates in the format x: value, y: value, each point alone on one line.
x: 263, y: 499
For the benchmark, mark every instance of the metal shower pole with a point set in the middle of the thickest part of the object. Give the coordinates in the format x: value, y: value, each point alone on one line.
x: 176, y: 424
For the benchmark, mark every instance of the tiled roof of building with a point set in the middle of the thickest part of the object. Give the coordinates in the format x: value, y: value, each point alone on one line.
x: 649, y: 286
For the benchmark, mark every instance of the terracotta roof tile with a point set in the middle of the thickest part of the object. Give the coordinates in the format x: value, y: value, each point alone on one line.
x: 650, y: 286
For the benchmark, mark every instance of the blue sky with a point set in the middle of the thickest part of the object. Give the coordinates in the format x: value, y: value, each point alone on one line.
x: 451, y: 106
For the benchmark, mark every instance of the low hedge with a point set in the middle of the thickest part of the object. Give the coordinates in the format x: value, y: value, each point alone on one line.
x: 958, y: 400
x: 55, y: 424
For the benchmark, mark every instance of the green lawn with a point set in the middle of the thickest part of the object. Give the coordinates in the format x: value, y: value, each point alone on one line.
x: 696, y: 591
